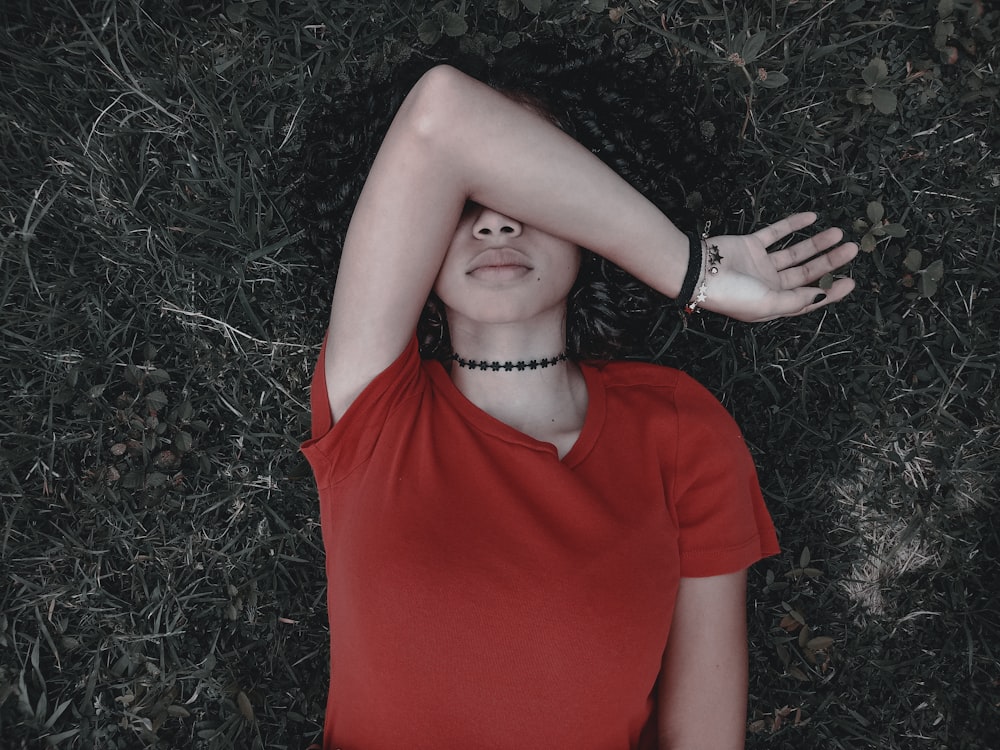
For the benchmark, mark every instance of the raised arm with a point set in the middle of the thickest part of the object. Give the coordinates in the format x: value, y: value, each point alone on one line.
x: 455, y: 139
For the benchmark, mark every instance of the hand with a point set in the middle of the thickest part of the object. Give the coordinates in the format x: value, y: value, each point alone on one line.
x: 754, y: 285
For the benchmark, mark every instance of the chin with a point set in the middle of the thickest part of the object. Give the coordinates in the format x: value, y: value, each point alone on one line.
x: 503, y: 314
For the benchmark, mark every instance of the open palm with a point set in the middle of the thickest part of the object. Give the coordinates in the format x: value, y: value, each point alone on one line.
x: 756, y: 285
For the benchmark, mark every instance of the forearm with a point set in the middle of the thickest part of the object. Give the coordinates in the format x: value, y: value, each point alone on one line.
x: 703, y: 684
x: 509, y: 158
x: 708, y: 712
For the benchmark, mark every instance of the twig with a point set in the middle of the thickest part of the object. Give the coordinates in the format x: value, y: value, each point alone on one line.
x: 229, y: 330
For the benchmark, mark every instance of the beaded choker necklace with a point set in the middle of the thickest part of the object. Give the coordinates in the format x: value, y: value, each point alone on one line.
x: 521, y: 364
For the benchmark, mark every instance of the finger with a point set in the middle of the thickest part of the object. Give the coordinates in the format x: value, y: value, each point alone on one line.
x: 808, y: 273
x: 792, y: 302
x: 802, y: 251
x: 780, y: 229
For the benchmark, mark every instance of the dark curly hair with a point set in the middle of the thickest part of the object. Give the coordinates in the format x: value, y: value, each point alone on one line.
x: 648, y: 119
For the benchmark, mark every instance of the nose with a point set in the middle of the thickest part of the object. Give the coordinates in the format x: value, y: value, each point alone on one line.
x: 490, y: 224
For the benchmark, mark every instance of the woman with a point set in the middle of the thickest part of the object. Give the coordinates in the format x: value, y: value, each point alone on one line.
x: 526, y: 551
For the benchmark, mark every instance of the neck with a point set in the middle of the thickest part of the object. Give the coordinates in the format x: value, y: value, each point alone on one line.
x: 507, y: 342
x: 509, y: 365
x: 524, y: 399
x: 539, y: 402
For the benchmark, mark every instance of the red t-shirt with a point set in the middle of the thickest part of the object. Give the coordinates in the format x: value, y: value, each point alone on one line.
x: 484, y: 593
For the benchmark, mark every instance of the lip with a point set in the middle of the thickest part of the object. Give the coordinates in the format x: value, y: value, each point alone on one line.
x: 500, y: 258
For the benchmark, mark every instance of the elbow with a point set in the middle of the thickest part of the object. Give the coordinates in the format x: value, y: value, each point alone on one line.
x: 430, y: 111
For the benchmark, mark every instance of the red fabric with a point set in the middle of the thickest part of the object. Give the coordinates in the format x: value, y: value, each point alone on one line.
x: 485, y: 594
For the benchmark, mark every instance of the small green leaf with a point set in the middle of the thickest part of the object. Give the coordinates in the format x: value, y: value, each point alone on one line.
x: 929, y: 278
x: 913, y: 260
x: 509, y: 9
x: 884, y: 101
x: 132, y: 479
x: 533, y: 6
x: 943, y: 30
x: 597, y: 6
x: 864, y: 98
x: 53, y: 740
x: 156, y: 400
x: 927, y: 285
x: 184, y: 411
x: 753, y: 46
x: 935, y: 271
x: 774, y: 80
x: 875, y: 71
x: 183, y: 442
x: 429, y: 31
x: 246, y: 708
x: 804, y: 636
x: 454, y: 24
x: 235, y: 12
x: 895, y: 230
x: 158, y: 376
x: 945, y: 8
x: 868, y: 242
x: 875, y: 212
x: 511, y: 39
x: 804, y: 558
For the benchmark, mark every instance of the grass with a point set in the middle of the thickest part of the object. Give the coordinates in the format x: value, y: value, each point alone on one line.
x: 159, y: 547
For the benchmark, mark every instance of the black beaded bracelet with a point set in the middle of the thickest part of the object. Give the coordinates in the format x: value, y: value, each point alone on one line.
x: 693, y: 269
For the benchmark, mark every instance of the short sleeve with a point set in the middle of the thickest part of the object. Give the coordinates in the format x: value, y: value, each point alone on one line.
x: 334, y: 450
x: 722, y: 521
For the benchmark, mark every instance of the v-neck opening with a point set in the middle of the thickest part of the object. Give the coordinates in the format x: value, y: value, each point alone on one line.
x: 487, y: 423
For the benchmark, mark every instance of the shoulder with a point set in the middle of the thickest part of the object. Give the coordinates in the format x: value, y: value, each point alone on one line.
x: 656, y: 380
x: 629, y: 374
x: 660, y: 389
